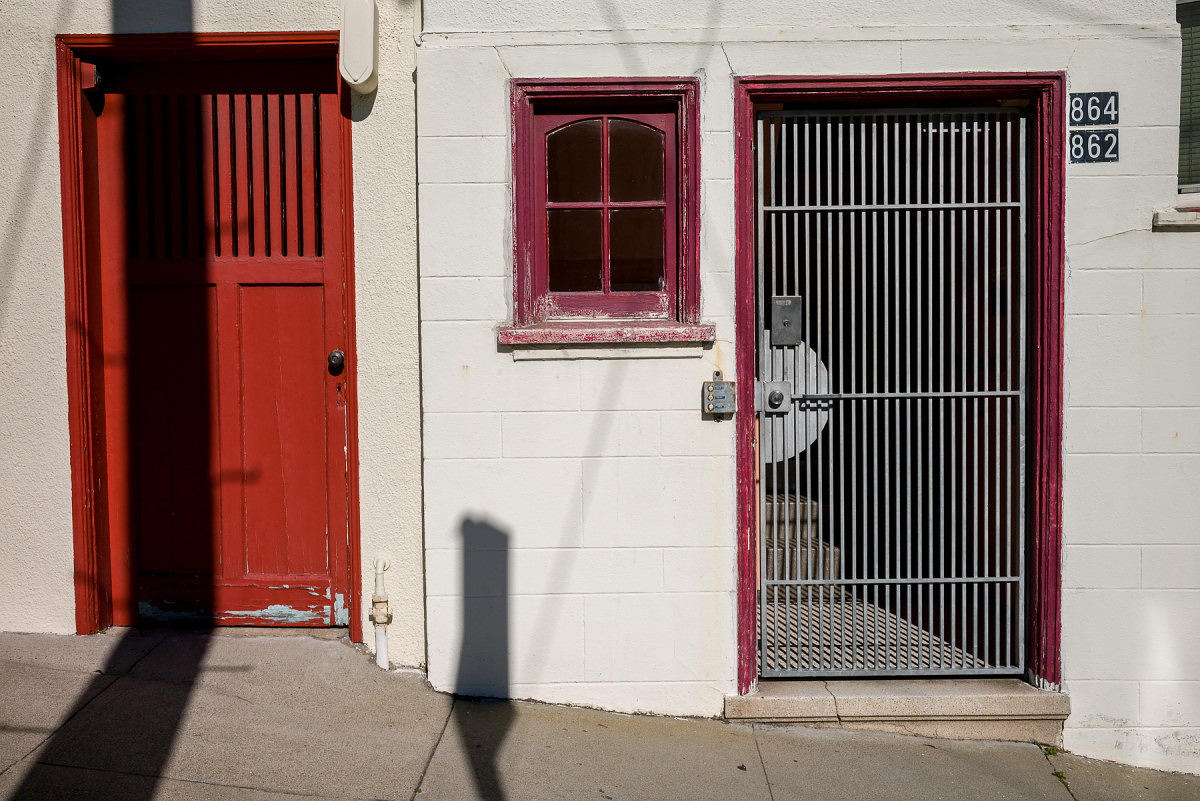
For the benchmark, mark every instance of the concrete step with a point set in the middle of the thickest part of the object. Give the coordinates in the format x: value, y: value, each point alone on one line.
x: 956, y: 709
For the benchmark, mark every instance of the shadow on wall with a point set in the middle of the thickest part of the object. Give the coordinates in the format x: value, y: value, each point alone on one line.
x: 127, y: 16
x: 483, y: 659
x: 125, y: 723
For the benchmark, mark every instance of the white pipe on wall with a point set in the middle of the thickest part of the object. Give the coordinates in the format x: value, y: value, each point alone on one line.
x: 380, y: 614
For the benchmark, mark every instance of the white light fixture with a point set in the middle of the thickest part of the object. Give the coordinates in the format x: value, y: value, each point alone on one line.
x: 358, y: 47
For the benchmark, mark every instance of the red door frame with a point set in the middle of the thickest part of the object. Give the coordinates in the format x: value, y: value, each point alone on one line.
x: 1046, y: 93
x: 76, y: 55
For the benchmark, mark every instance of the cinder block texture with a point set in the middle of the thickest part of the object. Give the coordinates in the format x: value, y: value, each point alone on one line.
x: 664, y: 501
x: 1104, y: 704
x: 658, y: 637
x: 1172, y: 291
x: 465, y: 230
x: 579, y: 434
x: 1170, y: 748
x: 1103, y: 431
x: 1102, y: 566
x: 462, y: 436
x: 1169, y: 703
x: 1105, y: 292
x: 463, y: 159
x: 1133, y: 361
x: 1130, y: 635
x: 1171, y: 430
x: 1143, y: 499
x: 464, y: 299
x: 464, y: 373
x: 1171, y: 566
x: 475, y: 78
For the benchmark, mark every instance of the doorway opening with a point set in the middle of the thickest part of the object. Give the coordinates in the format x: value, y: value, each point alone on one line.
x: 207, y: 238
x: 888, y: 239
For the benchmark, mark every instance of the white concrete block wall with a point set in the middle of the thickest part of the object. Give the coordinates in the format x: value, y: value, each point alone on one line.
x: 1131, y: 584
x: 1131, y: 460
x: 36, y: 561
x: 615, y: 496
x: 1133, y: 381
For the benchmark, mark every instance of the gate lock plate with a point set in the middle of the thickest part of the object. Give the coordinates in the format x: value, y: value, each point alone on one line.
x: 718, y: 397
x: 785, y: 320
x: 774, y: 397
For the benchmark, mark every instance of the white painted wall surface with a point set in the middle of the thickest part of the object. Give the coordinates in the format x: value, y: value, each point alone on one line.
x: 767, y: 17
x: 36, y: 567
x: 618, y: 500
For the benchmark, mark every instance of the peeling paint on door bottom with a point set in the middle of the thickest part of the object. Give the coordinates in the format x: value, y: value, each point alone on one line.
x: 279, y: 613
x: 341, y: 615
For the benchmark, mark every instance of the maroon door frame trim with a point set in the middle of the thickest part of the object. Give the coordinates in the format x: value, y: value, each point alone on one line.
x: 1046, y: 93
x: 76, y: 74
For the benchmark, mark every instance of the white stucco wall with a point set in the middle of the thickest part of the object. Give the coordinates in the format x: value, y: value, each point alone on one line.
x: 618, y: 499
x: 36, y: 567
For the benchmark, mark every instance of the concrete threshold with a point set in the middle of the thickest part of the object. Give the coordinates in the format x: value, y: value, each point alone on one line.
x: 955, y: 709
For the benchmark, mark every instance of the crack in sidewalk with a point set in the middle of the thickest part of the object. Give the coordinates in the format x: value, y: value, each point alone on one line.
x: 1058, y: 774
x: 433, y: 751
x: 763, y: 762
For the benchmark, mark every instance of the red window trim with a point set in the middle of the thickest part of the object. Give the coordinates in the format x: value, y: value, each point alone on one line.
x: 533, y: 319
x: 1047, y: 192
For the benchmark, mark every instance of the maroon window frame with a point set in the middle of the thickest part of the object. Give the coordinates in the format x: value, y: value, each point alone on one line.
x: 670, y: 314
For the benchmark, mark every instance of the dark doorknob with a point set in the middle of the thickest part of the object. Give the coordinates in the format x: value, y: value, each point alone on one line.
x: 337, y: 362
x: 775, y: 399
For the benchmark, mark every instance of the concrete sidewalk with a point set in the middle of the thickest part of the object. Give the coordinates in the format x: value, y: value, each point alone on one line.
x: 241, y: 715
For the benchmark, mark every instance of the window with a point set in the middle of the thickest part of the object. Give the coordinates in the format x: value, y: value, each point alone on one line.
x: 1188, y: 15
x: 605, y: 182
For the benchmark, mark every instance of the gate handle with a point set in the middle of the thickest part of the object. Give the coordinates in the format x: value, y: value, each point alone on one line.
x: 337, y: 362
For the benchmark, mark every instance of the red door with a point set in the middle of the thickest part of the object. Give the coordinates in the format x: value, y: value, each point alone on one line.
x: 223, y: 280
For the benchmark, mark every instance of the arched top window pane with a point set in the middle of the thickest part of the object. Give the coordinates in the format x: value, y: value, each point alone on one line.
x: 635, y: 161
x: 573, y: 162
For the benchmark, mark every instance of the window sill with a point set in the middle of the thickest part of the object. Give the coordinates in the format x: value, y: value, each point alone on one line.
x: 605, y: 333
x: 1177, y: 220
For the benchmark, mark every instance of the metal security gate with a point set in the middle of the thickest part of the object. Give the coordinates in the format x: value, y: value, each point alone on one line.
x: 891, y: 392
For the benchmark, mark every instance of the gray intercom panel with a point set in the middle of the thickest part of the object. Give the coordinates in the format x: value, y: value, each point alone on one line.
x: 786, y: 326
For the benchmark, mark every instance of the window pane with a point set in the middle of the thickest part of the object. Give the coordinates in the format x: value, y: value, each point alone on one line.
x: 575, y: 254
x: 635, y: 154
x: 573, y: 162
x: 1188, y: 15
x: 636, y: 237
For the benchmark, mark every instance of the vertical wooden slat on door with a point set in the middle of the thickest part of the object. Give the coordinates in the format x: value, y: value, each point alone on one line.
x: 223, y: 191
x: 291, y: 180
x: 258, y: 181
x: 274, y: 171
x: 242, y: 173
x: 306, y: 111
x: 176, y: 191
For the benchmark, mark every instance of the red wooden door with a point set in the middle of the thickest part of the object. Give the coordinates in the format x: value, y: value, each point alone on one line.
x: 223, y: 289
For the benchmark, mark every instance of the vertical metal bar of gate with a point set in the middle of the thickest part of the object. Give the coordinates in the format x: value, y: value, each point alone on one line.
x: 892, y: 476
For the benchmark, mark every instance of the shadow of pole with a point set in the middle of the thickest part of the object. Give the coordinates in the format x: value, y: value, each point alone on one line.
x: 483, y: 670
x: 117, y: 739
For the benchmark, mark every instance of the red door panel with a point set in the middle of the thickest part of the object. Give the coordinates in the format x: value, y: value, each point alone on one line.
x: 174, y: 379
x: 283, y: 423
x: 223, y: 277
